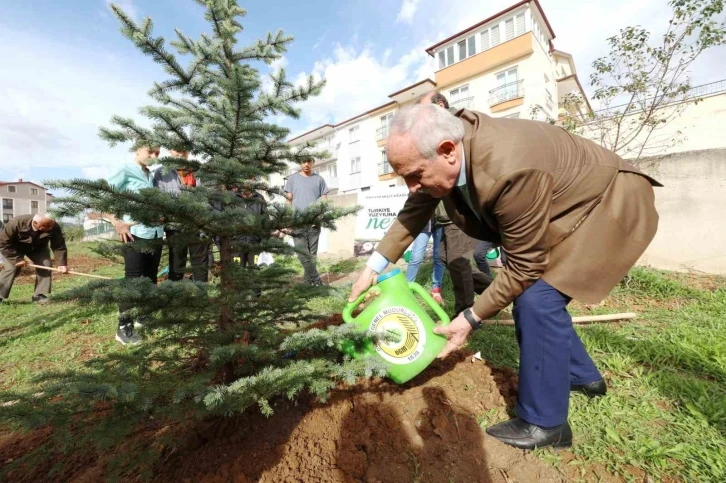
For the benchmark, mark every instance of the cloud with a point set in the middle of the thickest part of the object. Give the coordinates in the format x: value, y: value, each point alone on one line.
x: 408, y: 10
x: 127, y: 6
x: 55, y: 97
x: 357, y: 81
x: 95, y: 172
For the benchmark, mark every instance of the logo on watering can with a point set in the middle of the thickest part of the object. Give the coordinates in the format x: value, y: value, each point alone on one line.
x: 409, y: 328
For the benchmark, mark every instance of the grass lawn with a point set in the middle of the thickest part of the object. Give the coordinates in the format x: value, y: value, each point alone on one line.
x: 664, y: 415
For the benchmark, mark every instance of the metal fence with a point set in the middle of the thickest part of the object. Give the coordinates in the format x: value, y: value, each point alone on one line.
x: 506, y: 92
x: 694, y: 93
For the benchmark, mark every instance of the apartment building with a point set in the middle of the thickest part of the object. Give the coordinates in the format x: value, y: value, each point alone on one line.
x: 22, y: 198
x: 505, y: 66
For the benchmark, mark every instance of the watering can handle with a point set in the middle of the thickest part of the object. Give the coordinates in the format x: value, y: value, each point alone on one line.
x: 349, y: 308
x: 418, y: 289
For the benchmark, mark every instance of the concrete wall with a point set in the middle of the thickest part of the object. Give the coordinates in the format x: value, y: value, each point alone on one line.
x: 700, y: 126
x: 691, y: 233
x: 339, y: 243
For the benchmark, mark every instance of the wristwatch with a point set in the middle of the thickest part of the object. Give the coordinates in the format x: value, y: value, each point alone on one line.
x: 470, y: 318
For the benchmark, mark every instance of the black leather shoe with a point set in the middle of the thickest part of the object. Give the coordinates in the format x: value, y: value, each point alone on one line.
x: 522, y: 435
x: 594, y: 389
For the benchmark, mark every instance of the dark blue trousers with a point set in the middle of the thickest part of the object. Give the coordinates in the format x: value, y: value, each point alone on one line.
x: 551, y: 355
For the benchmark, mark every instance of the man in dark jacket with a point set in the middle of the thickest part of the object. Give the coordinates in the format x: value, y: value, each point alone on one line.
x: 29, y: 236
x: 255, y: 205
x: 174, y: 181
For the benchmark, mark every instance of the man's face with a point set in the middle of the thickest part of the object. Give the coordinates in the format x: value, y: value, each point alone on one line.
x: 436, y: 177
x: 45, y: 226
x: 147, y: 156
x: 307, y: 166
x: 179, y: 154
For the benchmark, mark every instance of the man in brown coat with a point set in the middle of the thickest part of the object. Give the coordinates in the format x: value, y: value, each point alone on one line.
x: 29, y: 236
x: 572, y: 217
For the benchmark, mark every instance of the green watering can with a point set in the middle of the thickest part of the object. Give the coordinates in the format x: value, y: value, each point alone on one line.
x: 397, y: 311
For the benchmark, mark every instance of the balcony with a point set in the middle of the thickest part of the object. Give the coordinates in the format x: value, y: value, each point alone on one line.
x: 382, y: 133
x: 506, y: 96
x: 487, y: 60
x: 466, y: 103
x: 385, y: 171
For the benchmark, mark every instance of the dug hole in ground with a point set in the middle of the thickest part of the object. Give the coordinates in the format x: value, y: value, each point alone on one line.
x: 426, y: 430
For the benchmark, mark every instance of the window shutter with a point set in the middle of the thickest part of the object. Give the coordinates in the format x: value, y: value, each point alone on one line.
x: 520, y: 24
x: 509, y: 29
x: 495, y: 35
x: 485, y: 40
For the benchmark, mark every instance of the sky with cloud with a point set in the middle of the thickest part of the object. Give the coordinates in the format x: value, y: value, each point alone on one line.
x: 65, y: 69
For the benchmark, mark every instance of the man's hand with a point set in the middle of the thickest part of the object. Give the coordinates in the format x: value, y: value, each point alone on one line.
x: 124, y: 231
x: 63, y: 269
x: 21, y: 264
x: 366, y: 278
x: 457, y: 332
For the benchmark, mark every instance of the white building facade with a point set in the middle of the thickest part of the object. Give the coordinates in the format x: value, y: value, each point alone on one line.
x: 504, y: 66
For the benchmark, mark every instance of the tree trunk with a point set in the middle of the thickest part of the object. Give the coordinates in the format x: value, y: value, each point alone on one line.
x: 225, y: 314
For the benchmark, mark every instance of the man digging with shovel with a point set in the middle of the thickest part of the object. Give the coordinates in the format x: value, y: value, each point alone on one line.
x: 572, y: 217
x: 29, y: 236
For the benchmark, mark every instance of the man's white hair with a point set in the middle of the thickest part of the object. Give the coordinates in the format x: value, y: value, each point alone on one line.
x: 39, y: 218
x: 428, y: 125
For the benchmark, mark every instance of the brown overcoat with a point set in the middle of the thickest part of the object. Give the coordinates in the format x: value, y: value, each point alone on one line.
x: 565, y: 209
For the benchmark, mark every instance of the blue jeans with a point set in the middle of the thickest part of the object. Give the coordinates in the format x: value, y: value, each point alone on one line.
x: 551, y: 355
x: 417, y: 255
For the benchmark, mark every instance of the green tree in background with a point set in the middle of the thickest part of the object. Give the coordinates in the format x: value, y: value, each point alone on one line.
x: 217, y: 348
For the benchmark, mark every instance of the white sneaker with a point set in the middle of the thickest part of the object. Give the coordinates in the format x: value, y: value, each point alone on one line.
x: 126, y: 336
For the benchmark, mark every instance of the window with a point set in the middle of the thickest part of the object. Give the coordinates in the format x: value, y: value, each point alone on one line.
x: 550, y: 102
x: 547, y: 79
x: 442, y: 59
x: 333, y: 170
x: 384, y: 167
x: 450, y: 55
x: 520, y: 24
x: 353, y: 134
x: 512, y: 116
x: 316, y: 171
x: 7, y: 217
x: 33, y: 191
x: 459, y: 97
x: 382, y: 132
x: 354, y: 165
x: 34, y: 205
x: 509, y: 29
x: 7, y: 204
x: 467, y: 48
x: 11, y: 189
x: 495, y: 35
x: 485, y: 40
x: 508, y: 88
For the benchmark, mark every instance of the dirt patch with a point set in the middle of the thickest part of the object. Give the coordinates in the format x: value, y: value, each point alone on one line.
x: 77, y: 263
x: 425, y: 430
x: 327, y: 278
x: 47, y: 467
x: 333, y: 320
